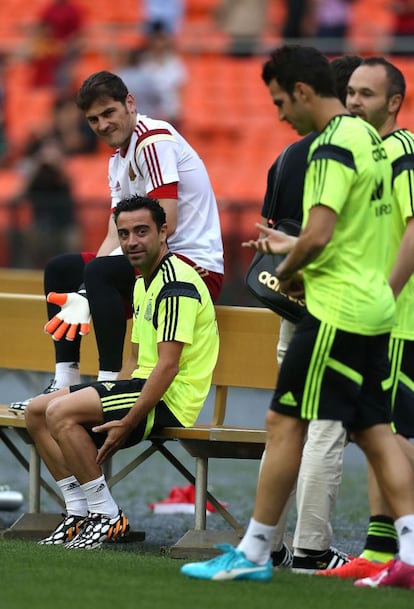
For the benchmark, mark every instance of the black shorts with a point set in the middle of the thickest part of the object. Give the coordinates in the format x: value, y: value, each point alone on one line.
x: 331, y: 374
x: 117, y: 398
x: 401, y: 355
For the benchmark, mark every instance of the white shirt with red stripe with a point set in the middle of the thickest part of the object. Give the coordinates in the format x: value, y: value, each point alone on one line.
x: 158, y: 155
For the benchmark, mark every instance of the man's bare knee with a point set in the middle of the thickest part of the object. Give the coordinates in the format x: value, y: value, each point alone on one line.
x: 282, y: 427
x: 35, y: 412
x: 56, y: 416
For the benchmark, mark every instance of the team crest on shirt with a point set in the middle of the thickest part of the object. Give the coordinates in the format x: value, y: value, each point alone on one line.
x: 108, y: 386
x: 148, y: 311
x: 131, y: 173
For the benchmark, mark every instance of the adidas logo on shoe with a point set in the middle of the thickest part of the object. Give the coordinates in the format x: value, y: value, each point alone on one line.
x: 330, y: 559
x: 282, y: 559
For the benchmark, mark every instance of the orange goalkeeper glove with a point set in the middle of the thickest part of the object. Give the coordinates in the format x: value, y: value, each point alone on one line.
x: 75, y: 314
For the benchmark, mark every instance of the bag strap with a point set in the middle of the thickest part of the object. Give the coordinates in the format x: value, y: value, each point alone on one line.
x: 276, y: 186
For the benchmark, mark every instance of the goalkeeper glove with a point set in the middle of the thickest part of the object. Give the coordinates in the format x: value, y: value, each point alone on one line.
x: 74, y: 314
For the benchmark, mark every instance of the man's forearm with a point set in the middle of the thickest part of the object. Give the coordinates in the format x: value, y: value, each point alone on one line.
x: 310, y: 243
x: 302, y: 254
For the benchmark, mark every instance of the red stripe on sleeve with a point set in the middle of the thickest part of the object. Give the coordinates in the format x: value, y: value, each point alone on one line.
x: 167, y: 191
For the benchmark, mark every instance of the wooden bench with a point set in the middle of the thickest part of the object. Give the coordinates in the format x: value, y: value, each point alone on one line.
x: 247, y: 359
x: 21, y: 281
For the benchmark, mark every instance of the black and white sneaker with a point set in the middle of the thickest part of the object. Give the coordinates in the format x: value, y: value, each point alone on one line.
x: 19, y: 407
x: 310, y: 563
x: 65, y: 532
x: 282, y: 559
x: 98, y: 529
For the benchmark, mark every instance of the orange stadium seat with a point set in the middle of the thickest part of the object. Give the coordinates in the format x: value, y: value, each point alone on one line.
x: 28, y: 111
x: 88, y: 64
x: 231, y: 122
x: 108, y: 12
x: 200, y: 31
x: 201, y: 8
x: 10, y: 183
x: 89, y: 176
x: 92, y: 218
x: 370, y: 26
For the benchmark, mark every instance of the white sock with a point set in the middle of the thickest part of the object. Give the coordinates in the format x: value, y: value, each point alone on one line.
x: 257, y: 542
x: 99, y: 498
x: 107, y: 375
x: 66, y: 374
x: 75, y: 500
x: 405, y: 530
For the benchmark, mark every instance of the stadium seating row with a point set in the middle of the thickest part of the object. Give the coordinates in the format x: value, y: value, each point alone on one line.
x: 227, y: 114
x: 199, y: 27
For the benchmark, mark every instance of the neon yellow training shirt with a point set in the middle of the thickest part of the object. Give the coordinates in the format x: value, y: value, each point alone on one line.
x: 349, y: 172
x: 177, y: 306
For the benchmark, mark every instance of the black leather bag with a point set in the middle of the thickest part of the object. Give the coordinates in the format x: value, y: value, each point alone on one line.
x: 260, y: 278
x: 264, y: 285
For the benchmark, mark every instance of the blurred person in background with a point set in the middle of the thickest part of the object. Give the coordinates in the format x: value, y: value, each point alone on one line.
x: 139, y: 78
x: 48, y: 193
x: 170, y: 13
x: 168, y: 71
x: 70, y: 127
x: 296, y: 22
x: 56, y: 43
x: 244, y: 21
x: 403, y: 30
x: 331, y: 20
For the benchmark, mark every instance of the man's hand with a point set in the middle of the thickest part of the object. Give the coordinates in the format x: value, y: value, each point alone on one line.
x: 117, y: 434
x: 274, y: 241
x: 75, y: 313
x: 293, y: 287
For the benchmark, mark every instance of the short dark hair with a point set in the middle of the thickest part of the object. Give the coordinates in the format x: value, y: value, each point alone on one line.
x: 293, y: 63
x: 395, y: 78
x: 101, y: 85
x: 135, y: 202
x: 342, y: 68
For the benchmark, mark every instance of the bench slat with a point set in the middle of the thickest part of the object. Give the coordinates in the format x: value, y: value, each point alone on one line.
x: 8, y: 419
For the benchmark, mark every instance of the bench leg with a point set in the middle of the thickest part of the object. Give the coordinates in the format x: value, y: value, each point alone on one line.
x: 200, y: 493
x: 33, y: 524
x: 204, y: 493
x: 199, y: 542
x: 34, y: 481
x: 33, y: 467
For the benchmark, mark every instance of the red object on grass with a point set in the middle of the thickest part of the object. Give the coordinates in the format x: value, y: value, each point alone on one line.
x: 180, y: 501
